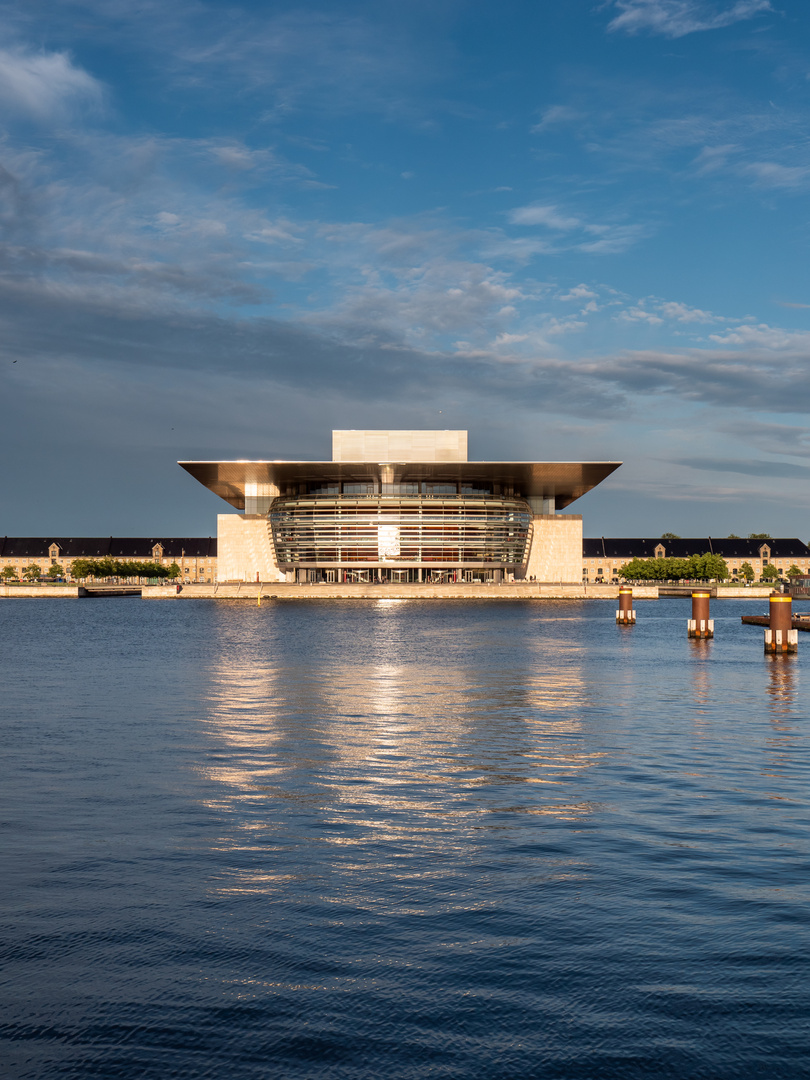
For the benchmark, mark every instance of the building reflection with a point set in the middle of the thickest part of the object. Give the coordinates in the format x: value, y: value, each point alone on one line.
x: 783, y: 705
x: 700, y: 652
x: 406, y: 744
x: 782, y: 686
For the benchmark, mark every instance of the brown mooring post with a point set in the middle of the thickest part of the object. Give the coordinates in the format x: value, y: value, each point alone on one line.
x: 780, y: 637
x: 700, y: 625
x: 625, y: 614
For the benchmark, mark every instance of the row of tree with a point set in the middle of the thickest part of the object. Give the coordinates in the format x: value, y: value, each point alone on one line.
x: 81, y: 569
x: 122, y: 568
x: 706, y: 567
x: 696, y: 568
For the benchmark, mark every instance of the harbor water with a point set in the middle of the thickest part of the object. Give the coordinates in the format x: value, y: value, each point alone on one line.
x: 352, y: 840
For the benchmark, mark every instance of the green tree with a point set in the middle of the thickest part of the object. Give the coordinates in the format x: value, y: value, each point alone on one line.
x: 132, y: 568
x: 719, y: 568
x: 174, y: 572
x: 704, y: 567
x: 8, y: 573
x: 55, y: 571
x: 105, y: 568
x: 707, y: 567
x: 759, y: 536
x: 124, y: 568
x: 794, y: 571
x: 638, y: 569
x: 670, y: 536
x: 32, y: 572
x: 769, y: 573
x: 733, y: 536
x: 747, y: 571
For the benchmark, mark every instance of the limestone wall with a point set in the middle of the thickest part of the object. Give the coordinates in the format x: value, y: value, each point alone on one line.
x: 245, y: 549
x: 378, y: 446
x: 556, y: 551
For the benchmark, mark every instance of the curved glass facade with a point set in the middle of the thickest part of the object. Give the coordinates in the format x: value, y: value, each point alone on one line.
x: 400, y: 529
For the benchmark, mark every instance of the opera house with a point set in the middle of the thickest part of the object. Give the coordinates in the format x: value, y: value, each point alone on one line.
x: 399, y: 506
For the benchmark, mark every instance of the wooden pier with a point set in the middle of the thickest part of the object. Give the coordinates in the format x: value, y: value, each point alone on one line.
x: 798, y: 622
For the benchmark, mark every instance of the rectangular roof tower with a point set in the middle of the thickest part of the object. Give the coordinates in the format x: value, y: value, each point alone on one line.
x: 400, y: 446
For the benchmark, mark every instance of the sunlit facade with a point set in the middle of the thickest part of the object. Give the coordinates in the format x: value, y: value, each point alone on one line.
x: 397, y: 506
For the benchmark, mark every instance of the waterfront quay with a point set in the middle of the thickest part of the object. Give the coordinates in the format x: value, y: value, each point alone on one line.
x: 267, y: 590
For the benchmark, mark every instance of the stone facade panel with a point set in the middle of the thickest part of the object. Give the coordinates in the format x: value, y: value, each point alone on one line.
x: 245, y: 549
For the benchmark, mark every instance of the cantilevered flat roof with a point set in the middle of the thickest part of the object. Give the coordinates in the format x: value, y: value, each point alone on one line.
x: 565, y: 481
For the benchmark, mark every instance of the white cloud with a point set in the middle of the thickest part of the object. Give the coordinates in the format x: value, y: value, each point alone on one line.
x: 712, y: 158
x: 677, y: 18
x: 555, y: 327
x: 234, y: 156
x: 549, y: 216
x: 579, y: 292
x: 765, y: 337
x: 610, y: 239
x: 772, y: 174
x: 639, y: 314
x: 45, y: 86
x: 656, y: 312
x: 555, y: 116
x: 682, y: 313
x: 419, y: 305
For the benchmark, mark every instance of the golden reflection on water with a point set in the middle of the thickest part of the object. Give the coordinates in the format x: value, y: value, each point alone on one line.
x: 783, y: 703
x: 782, y: 685
x: 420, y: 751
x: 700, y: 650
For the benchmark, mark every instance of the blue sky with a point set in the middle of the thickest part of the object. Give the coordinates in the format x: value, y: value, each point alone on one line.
x: 579, y: 230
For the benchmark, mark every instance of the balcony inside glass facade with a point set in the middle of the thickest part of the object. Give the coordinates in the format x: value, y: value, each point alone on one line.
x: 386, y: 529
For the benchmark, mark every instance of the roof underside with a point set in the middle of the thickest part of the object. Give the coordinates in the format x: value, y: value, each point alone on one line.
x: 565, y: 481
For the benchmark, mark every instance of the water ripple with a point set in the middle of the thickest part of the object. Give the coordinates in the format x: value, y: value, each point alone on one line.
x: 416, y: 840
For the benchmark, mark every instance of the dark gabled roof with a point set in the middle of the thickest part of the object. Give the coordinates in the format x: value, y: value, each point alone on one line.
x: 682, y: 548
x: 593, y: 549
x: 780, y: 548
x: 193, y: 547
x: 96, y: 547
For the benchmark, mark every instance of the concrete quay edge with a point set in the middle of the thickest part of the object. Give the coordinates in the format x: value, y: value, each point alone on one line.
x: 38, y: 591
x: 283, y: 591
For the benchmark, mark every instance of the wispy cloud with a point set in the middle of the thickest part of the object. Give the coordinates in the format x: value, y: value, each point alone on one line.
x: 556, y: 116
x: 756, y: 380
x: 787, y: 440
x: 677, y: 18
x: 595, y: 239
x: 782, y: 469
x: 45, y: 86
x: 773, y: 174
x: 549, y: 216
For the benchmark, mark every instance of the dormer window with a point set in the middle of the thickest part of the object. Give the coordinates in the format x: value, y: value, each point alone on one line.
x: 764, y: 553
x: 660, y: 551
x: 53, y: 551
x: 157, y: 551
